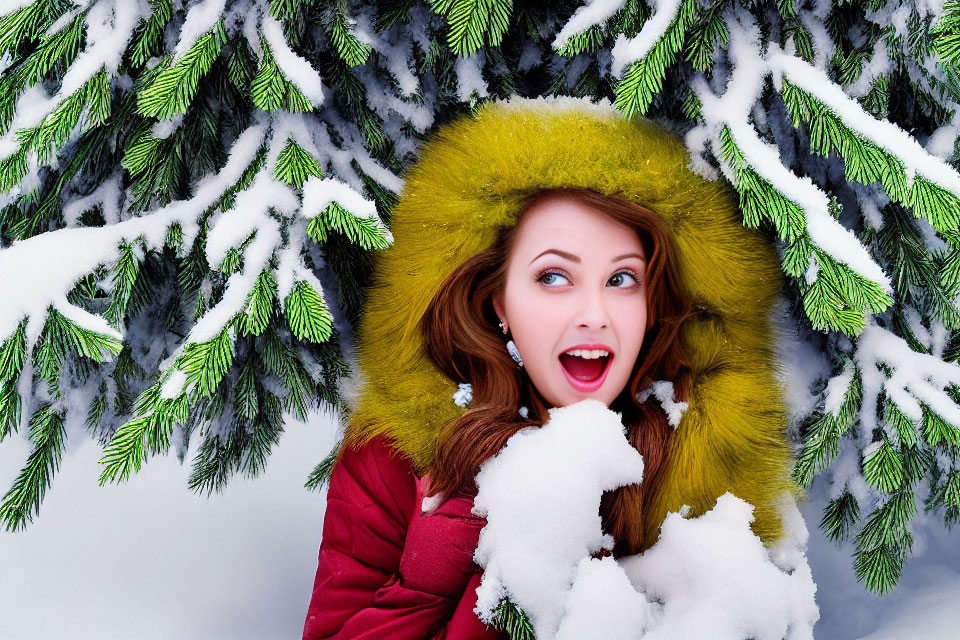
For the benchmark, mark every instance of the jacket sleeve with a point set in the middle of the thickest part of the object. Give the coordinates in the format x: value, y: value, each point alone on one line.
x: 358, y: 593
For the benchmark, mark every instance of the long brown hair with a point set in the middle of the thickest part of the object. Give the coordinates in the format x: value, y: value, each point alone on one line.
x: 461, y: 337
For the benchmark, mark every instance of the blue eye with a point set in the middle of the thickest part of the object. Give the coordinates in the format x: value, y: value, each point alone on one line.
x: 617, y: 280
x: 550, y: 278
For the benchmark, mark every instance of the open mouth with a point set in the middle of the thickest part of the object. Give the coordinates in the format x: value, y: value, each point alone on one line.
x: 585, y: 369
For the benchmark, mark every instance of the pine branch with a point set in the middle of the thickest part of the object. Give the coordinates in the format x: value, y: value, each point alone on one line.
x: 22, y: 502
x: 172, y: 89
x: 644, y: 79
x: 508, y: 617
x: 271, y: 91
x: 474, y: 22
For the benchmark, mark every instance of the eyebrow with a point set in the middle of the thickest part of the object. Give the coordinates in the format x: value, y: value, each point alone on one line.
x: 576, y: 259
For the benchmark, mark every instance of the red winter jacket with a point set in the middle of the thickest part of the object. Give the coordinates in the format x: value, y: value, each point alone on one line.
x: 362, y: 590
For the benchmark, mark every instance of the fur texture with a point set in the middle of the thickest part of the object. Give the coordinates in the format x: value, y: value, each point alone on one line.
x: 471, y: 178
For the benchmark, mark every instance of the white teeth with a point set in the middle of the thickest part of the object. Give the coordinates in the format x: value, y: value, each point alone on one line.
x: 588, y: 354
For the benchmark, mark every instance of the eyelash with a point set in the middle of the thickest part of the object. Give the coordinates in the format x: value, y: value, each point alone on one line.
x: 545, y: 272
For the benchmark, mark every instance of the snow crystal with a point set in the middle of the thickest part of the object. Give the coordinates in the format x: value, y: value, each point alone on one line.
x: 664, y: 392
x: 463, y: 395
x: 541, y: 497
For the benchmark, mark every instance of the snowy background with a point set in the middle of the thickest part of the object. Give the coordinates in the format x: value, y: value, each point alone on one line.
x: 150, y: 560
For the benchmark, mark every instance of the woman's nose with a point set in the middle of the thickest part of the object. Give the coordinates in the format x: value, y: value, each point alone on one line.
x: 592, y: 311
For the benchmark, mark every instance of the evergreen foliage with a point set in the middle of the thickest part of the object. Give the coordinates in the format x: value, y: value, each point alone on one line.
x: 190, y: 194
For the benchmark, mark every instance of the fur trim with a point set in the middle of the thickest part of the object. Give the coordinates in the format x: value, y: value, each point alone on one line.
x: 470, y: 179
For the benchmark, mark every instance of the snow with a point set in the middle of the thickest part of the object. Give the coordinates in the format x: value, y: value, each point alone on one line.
x: 109, y: 27
x: 593, y: 13
x: 107, y: 196
x: 917, y: 377
x: 149, y: 559
x: 715, y: 579
x: 706, y: 577
x: 664, y: 392
x: 541, y: 497
x: 626, y: 52
x: 621, y: 613
x: 296, y: 69
x: 837, y: 390
x: 202, y: 17
x: 881, y: 132
x: 319, y: 193
x: 470, y: 76
x: 463, y: 395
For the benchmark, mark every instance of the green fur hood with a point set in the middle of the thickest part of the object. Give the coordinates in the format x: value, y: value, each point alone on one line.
x: 471, y: 178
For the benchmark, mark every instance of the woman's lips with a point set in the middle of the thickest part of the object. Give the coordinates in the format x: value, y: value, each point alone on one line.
x: 587, y: 386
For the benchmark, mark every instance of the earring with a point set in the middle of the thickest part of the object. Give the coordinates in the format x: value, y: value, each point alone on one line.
x: 503, y: 328
x: 514, y: 352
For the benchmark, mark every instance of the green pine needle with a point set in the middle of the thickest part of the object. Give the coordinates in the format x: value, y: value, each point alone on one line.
x: 878, y: 568
x: 937, y: 430
x: 172, y: 90
x: 148, y: 38
x: 27, y: 23
x: 22, y: 502
x: 294, y: 165
x: 10, y: 405
x: 125, y: 454
x: 125, y: 273
x: 839, y: 517
x: 586, y: 42
x: 205, y: 363
x: 260, y: 304
x: 307, y: 314
x: 644, y: 79
x: 351, y: 50
x: 55, y: 51
x: 12, y: 353
x: 367, y: 232
x: 271, y: 91
x: 321, y: 473
x: 245, y: 403
x: 946, y: 33
x: 472, y: 22
x: 508, y: 617
x: 883, y: 468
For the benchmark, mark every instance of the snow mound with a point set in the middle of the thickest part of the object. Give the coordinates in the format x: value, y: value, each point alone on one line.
x: 706, y: 577
x: 541, y: 497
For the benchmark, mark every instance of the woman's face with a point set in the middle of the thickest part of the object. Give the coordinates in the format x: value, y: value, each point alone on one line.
x: 575, y: 301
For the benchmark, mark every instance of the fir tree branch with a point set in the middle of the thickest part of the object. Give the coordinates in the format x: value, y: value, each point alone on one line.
x: 22, y: 502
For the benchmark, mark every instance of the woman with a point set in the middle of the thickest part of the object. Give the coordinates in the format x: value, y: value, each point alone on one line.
x: 582, y: 180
